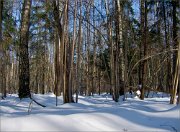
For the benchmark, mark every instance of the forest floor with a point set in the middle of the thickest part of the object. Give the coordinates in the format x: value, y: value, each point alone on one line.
x: 97, y: 113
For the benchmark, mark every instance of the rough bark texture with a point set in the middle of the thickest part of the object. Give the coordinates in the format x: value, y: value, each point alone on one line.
x: 58, y: 53
x: 24, y: 74
x: 143, y: 41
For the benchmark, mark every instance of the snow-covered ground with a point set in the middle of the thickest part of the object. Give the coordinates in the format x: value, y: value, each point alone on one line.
x: 98, y: 113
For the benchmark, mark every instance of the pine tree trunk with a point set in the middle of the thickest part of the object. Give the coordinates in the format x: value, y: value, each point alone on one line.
x: 24, y: 75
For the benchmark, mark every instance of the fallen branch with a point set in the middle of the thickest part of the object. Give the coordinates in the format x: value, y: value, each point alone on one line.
x: 37, y: 102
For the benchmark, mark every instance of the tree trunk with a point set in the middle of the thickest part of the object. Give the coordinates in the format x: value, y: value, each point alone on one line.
x: 88, y: 53
x: 141, y: 44
x: 67, y: 93
x: 176, y: 79
x: 1, y: 50
x: 176, y: 55
x: 168, y: 78
x: 24, y: 75
x: 62, y: 55
x: 119, y: 54
x: 111, y: 46
x: 57, y: 66
x: 78, y: 56
x: 143, y: 40
x: 178, y: 102
x: 1, y: 10
x: 71, y: 57
x: 94, y: 54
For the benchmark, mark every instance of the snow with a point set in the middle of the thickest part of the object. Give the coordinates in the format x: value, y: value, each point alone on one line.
x: 97, y: 113
x: 138, y: 92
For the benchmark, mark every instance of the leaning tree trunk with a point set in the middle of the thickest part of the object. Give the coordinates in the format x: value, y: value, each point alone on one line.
x: 24, y: 75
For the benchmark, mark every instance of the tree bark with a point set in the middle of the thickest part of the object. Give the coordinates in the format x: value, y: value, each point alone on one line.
x: 71, y: 60
x: 111, y: 46
x: 94, y: 54
x: 78, y: 56
x: 119, y: 54
x: 175, y: 56
x: 144, y: 42
x: 24, y: 75
x: 1, y: 10
x: 1, y: 51
x: 59, y: 49
x: 168, y: 78
x: 88, y: 53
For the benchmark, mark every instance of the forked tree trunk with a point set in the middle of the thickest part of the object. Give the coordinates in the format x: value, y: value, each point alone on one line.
x: 61, y: 41
x: 72, y: 47
x: 24, y: 75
